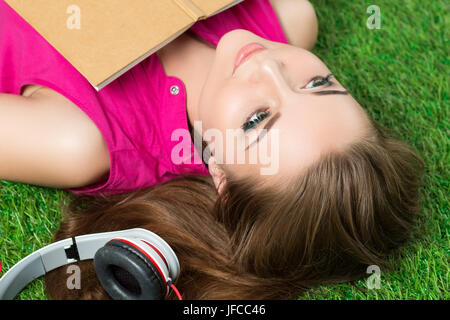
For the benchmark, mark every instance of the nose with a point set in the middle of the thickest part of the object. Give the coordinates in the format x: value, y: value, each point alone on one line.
x: 274, y: 70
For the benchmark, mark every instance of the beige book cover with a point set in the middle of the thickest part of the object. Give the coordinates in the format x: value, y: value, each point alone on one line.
x: 103, y: 39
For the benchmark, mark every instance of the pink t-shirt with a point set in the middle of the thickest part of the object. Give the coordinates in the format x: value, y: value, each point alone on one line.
x: 138, y: 112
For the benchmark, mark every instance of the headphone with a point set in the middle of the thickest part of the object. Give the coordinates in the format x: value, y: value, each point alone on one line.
x: 133, y: 264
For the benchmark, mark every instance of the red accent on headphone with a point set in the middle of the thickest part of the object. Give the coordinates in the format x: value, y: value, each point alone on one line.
x: 157, y: 251
x: 176, y: 291
x: 162, y: 257
x: 154, y: 263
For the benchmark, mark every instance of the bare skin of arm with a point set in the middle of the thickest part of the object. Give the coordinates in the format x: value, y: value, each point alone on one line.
x: 298, y: 20
x: 46, y: 140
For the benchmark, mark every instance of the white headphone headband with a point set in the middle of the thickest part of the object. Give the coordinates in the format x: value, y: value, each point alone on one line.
x: 68, y: 251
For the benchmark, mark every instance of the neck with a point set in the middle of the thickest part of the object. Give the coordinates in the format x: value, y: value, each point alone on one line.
x: 189, y: 59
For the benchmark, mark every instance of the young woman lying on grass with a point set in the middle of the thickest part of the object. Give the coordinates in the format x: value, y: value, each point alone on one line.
x: 344, y: 195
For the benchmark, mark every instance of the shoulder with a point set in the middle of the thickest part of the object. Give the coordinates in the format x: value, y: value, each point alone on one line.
x: 76, y: 141
x: 298, y: 20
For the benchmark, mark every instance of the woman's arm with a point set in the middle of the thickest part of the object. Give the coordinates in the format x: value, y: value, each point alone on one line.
x: 46, y: 140
x: 298, y: 20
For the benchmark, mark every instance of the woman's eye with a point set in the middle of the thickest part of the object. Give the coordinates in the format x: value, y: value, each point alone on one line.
x: 318, y: 81
x: 255, y: 119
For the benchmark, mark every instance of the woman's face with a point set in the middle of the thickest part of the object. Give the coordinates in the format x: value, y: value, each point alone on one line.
x: 284, y: 87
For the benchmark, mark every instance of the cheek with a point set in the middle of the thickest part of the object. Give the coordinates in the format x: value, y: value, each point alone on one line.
x: 220, y: 106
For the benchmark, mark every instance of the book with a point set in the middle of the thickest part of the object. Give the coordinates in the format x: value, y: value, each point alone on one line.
x: 103, y: 39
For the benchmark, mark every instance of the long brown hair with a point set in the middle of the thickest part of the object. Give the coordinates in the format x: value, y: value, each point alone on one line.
x: 348, y: 210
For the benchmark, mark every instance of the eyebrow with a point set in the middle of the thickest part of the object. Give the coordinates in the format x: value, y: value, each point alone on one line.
x: 265, y: 129
x: 325, y: 92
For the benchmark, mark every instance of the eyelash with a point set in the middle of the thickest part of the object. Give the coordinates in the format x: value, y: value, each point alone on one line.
x: 250, y: 124
x: 325, y: 79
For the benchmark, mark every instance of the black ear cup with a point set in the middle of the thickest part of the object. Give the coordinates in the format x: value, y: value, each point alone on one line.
x: 126, y: 273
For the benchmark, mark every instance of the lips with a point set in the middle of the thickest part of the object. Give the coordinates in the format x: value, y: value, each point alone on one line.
x: 246, y: 52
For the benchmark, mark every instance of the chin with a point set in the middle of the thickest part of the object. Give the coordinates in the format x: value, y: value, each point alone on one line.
x: 235, y: 39
x: 229, y: 45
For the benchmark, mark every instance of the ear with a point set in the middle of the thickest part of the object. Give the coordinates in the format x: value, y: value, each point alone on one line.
x: 217, y: 174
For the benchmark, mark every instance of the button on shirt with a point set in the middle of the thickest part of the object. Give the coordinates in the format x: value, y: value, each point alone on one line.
x: 174, y: 89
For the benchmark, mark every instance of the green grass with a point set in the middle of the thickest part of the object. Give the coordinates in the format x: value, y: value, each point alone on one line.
x: 399, y: 74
